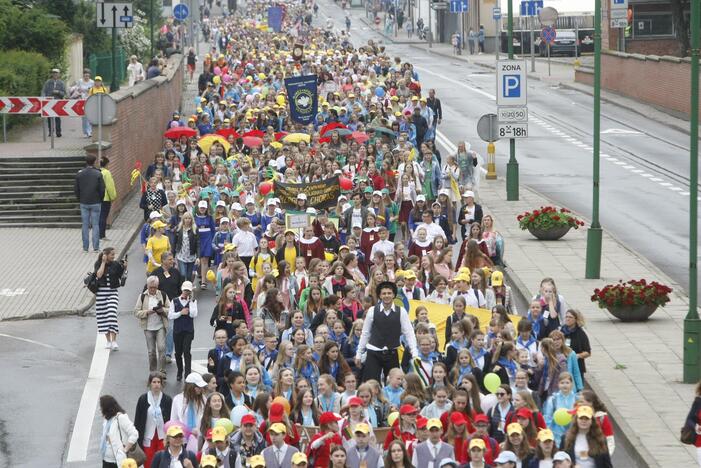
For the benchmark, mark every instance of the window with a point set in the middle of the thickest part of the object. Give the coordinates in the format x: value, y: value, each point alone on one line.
x: 652, y: 23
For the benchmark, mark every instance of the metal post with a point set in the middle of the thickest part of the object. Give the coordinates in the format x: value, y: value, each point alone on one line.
x: 548, y: 58
x: 150, y: 20
x: 99, y: 126
x: 462, y: 30
x: 692, y: 324
x: 4, y: 128
x: 497, y: 38
x: 396, y: 18
x: 532, y: 20
x: 576, y: 39
x: 114, y: 86
x: 53, y: 131
x: 512, y: 165
x: 430, y: 28
x: 594, y: 234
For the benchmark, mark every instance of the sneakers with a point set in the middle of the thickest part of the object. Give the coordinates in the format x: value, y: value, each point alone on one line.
x: 108, y: 345
x: 115, y: 346
x: 169, y: 358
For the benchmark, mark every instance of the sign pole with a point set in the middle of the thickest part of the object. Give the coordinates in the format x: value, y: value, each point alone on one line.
x: 99, y: 126
x: 548, y: 58
x: 150, y: 21
x: 497, y: 37
x: 595, y: 233
x: 4, y: 128
x: 512, y: 165
x: 114, y: 86
x: 692, y: 324
x: 430, y: 29
x: 532, y: 20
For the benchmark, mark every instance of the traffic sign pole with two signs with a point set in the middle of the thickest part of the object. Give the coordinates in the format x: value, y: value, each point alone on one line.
x: 512, y: 100
x: 115, y: 15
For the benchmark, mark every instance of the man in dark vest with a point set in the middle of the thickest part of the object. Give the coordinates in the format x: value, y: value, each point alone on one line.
x: 384, y: 325
x: 183, y: 309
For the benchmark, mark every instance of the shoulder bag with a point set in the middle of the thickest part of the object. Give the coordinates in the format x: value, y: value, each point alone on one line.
x: 135, y: 452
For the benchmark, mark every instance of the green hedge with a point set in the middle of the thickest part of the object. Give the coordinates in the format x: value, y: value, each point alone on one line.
x: 22, y: 73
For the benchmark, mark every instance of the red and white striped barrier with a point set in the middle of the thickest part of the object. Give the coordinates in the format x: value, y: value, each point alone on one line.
x: 63, y: 108
x: 21, y: 105
x: 44, y: 106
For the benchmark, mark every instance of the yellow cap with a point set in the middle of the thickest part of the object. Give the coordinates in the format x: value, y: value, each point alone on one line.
x: 256, y: 461
x: 585, y: 412
x: 175, y: 430
x: 477, y: 442
x: 129, y: 463
x: 278, y: 428
x: 219, y: 434
x: 497, y: 278
x: 394, y: 98
x: 545, y: 434
x: 363, y: 428
x: 299, y: 457
x: 98, y: 78
x: 209, y: 461
x: 514, y: 428
x: 434, y: 423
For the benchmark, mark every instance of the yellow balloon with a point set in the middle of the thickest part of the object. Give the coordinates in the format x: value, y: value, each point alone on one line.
x: 562, y: 417
x: 280, y: 100
x: 211, y: 276
x: 392, y: 417
x: 492, y: 382
x: 216, y: 80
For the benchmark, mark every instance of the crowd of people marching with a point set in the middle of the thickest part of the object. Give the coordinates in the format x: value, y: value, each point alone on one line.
x: 319, y: 356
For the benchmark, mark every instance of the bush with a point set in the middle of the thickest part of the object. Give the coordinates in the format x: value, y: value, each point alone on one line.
x: 32, y: 29
x: 22, y: 73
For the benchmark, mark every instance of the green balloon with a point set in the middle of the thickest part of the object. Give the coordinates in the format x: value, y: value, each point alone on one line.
x: 226, y: 424
x: 492, y: 382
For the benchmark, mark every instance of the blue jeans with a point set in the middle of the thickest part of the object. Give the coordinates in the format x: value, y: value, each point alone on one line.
x: 170, y: 345
x: 186, y: 269
x: 87, y: 127
x: 90, y: 216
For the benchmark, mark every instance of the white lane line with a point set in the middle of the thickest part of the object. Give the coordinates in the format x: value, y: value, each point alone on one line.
x: 445, y: 141
x: 656, y: 179
x: 637, y: 171
x: 664, y: 184
x: 78, y: 448
x: 686, y: 194
x: 628, y: 166
x: 613, y: 159
x: 676, y: 189
x: 649, y: 176
x: 456, y: 82
x: 619, y: 163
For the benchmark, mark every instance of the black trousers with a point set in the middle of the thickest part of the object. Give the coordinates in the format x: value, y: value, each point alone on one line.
x: 104, y: 213
x: 378, y: 363
x: 183, y: 344
x: 54, y: 122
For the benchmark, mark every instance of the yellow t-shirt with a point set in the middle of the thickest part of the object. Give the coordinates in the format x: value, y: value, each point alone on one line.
x: 290, y: 257
x: 157, y: 246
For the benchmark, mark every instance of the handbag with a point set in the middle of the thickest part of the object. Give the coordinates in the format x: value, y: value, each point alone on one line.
x: 135, y: 452
x: 688, y: 435
x: 90, y: 282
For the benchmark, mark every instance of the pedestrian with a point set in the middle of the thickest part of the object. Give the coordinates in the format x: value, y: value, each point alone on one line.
x: 109, y: 273
x: 169, y: 281
x: 152, y: 412
x: 110, y: 196
x: 584, y: 441
x: 118, y: 433
x: 156, y: 246
x: 576, y: 338
x: 152, y: 311
x: 278, y: 454
x: 175, y: 452
x: 153, y: 69
x: 384, y: 325
x: 431, y: 451
x: 472, y: 35
x: 81, y: 90
x: 54, y: 88
x: 182, y: 311
x: 153, y: 198
x: 480, y: 39
x: 321, y: 444
x: 135, y: 71
x: 692, y: 424
x: 99, y: 87
x: 188, y: 407
x: 191, y: 62
x: 397, y: 456
x: 89, y: 189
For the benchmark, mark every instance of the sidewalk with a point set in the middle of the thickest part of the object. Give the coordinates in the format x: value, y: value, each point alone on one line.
x: 27, y: 141
x: 636, y: 368
x: 43, y: 269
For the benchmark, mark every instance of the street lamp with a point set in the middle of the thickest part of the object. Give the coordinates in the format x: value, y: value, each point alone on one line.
x: 512, y: 165
x: 595, y: 233
x: 692, y: 324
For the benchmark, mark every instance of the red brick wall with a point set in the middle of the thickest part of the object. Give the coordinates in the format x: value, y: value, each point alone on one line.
x: 663, y: 82
x: 143, y: 112
x: 653, y: 47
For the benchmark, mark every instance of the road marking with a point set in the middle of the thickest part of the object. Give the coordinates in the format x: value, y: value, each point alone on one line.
x: 646, y: 175
x: 456, y: 82
x: 12, y: 292
x: 621, y: 131
x: 445, y: 141
x: 676, y: 189
x: 628, y: 166
x: 37, y: 343
x: 656, y: 179
x: 637, y: 171
x: 686, y: 194
x: 78, y: 448
x: 664, y: 184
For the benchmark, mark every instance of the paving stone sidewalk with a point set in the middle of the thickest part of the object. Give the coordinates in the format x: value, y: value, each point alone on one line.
x: 43, y: 269
x: 636, y: 368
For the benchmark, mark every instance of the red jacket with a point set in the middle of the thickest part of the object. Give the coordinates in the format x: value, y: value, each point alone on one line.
x: 445, y: 420
x: 491, y: 451
x: 395, y: 433
x: 322, y: 455
x: 311, y: 248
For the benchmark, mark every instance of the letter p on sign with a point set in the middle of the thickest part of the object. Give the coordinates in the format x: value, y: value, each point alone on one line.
x: 511, y: 86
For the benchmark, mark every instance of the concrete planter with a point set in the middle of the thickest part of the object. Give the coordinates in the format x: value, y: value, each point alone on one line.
x: 636, y: 313
x: 549, y: 234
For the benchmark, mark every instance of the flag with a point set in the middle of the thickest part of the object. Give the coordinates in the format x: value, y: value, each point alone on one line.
x: 303, y: 98
x: 455, y: 187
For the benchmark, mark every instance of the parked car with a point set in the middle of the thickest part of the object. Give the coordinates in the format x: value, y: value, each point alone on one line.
x: 565, y: 43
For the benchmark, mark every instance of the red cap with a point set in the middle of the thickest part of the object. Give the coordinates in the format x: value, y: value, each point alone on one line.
x: 524, y: 413
x: 408, y: 409
x: 480, y: 418
x: 208, y: 435
x: 457, y: 418
x: 275, y: 413
x: 328, y: 417
x: 355, y: 401
x: 248, y: 419
x: 421, y: 422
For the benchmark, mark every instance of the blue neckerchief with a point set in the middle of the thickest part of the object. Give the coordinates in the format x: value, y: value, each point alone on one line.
x: 103, y: 442
x: 483, y: 352
x: 192, y: 415
x: 334, y: 369
x: 430, y: 357
x: 458, y: 345
x: 536, y: 324
x: 252, y: 391
x: 510, y: 366
x: 567, y: 331
x: 462, y: 371
x: 527, y: 345
x: 327, y: 404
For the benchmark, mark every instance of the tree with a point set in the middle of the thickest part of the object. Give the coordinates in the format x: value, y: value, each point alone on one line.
x: 681, y: 25
x: 32, y: 29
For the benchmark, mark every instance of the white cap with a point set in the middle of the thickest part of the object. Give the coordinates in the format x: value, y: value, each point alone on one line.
x: 436, y: 203
x: 180, y: 202
x: 421, y: 197
x: 337, y: 171
x: 195, y: 378
x: 301, y: 196
x: 237, y: 207
x: 271, y: 201
x: 250, y: 200
x: 377, y: 192
x: 224, y: 220
x: 202, y: 204
x: 311, y: 211
x: 342, y: 197
x: 561, y: 456
x: 187, y: 286
x: 507, y: 456
x: 154, y: 215
x: 221, y: 203
x: 346, y: 206
x: 469, y: 193
x: 272, y: 163
x: 444, y: 191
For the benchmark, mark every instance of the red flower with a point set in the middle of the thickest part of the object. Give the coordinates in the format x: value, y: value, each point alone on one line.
x: 536, y: 213
x: 556, y: 218
x: 519, y: 217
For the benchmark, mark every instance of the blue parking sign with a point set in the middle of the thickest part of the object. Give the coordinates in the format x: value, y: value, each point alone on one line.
x: 512, y: 86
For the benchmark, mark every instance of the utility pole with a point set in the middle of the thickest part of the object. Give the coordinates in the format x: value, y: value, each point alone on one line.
x: 692, y: 324
x: 594, y: 234
x: 150, y: 21
x: 512, y: 165
x: 114, y: 85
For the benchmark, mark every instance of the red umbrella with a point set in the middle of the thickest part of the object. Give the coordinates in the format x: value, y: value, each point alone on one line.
x: 331, y: 126
x: 280, y: 135
x: 254, y: 133
x: 176, y: 132
x: 324, y: 139
x: 360, y: 137
x: 225, y: 132
x: 252, y: 141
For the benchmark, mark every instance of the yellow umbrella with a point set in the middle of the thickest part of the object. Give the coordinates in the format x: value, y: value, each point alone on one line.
x: 296, y: 138
x: 276, y: 144
x: 206, y: 142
